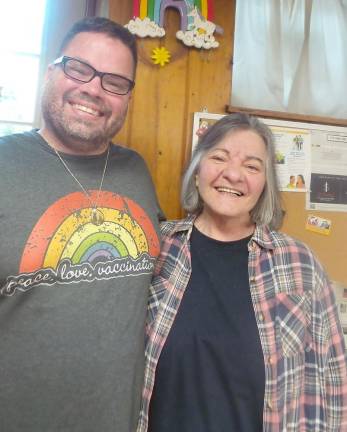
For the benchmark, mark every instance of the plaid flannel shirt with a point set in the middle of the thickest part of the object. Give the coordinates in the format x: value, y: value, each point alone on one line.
x: 294, y: 305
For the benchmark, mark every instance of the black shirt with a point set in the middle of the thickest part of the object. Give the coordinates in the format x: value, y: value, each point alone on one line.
x: 210, y: 376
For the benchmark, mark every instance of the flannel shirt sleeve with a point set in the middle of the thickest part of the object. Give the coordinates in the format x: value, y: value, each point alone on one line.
x: 156, y: 288
x: 336, y: 365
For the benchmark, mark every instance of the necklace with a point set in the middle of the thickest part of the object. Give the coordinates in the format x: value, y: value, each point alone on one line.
x: 97, y: 216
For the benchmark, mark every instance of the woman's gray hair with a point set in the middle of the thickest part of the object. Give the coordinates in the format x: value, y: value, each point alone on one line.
x: 268, y: 210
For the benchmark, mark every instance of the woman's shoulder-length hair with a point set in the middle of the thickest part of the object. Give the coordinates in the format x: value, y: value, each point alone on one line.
x: 268, y: 210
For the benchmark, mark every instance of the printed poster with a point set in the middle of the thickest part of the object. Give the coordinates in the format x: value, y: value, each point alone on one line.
x: 329, y: 171
x: 293, y: 154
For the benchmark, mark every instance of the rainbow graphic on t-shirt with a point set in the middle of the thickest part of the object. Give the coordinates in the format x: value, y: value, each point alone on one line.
x: 65, y: 230
x: 67, y: 245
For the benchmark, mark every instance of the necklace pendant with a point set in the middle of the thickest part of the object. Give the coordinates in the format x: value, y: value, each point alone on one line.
x: 97, y: 217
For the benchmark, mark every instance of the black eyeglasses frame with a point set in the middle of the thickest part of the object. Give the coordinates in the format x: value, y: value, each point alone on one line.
x: 64, y: 59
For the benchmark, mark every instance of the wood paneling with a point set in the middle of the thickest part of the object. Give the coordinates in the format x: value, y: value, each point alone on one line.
x: 160, y: 116
x: 279, y: 115
x: 160, y: 122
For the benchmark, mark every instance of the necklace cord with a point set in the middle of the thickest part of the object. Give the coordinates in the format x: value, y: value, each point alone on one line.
x: 94, y: 204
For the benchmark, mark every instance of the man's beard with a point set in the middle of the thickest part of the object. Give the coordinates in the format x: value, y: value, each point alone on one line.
x: 78, y: 134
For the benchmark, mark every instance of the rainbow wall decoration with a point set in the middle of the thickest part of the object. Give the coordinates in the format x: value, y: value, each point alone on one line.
x: 196, y: 30
x: 150, y: 8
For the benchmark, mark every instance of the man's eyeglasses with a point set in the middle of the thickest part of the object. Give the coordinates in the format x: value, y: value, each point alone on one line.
x: 83, y: 72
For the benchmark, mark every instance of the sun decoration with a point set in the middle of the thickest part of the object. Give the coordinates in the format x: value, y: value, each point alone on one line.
x: 160, y: 56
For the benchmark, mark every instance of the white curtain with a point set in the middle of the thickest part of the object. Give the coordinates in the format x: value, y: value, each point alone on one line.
x: 291, y: 55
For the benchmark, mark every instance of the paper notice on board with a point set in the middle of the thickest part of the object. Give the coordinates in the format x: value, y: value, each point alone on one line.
x: 318, y: 225
x: 329, y: 171
x: 293, y: 158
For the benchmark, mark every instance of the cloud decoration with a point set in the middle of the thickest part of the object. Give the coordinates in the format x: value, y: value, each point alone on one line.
x: 144, y: 28
x: 197, y: 40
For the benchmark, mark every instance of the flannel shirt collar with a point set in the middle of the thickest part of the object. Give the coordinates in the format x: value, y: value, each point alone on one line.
x: 263, y: 236
x: 178, y: 226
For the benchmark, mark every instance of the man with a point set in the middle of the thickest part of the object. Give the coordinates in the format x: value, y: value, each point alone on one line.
x: 79, y: 237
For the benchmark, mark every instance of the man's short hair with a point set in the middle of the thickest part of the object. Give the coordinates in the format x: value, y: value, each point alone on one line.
x: 104, y: 26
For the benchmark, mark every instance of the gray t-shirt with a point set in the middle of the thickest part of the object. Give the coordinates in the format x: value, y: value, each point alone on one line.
x: 73, y: 293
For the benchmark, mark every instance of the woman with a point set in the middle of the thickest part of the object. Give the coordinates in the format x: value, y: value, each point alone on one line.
x: 300, y: 182
x: 243, y: 333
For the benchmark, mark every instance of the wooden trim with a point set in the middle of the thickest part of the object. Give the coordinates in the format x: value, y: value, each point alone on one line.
x: 287, y: 116
x: 90, y: 8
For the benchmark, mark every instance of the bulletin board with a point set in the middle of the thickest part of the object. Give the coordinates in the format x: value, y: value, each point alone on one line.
x: 328, y: 237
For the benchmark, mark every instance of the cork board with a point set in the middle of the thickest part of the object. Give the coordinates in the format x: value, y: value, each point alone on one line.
x: 331, y: 250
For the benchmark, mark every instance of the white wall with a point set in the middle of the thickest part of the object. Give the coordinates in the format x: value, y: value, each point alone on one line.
x: 60, y: 15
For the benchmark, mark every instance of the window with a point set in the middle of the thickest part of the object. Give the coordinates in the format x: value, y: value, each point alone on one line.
x: 298, y: 50
x: 20, y: 50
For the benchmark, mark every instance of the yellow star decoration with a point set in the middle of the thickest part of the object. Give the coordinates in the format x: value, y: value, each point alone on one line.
x: 160, y: 56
